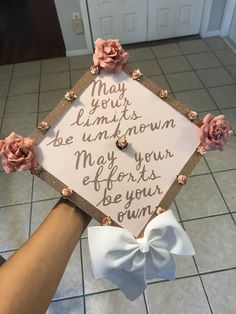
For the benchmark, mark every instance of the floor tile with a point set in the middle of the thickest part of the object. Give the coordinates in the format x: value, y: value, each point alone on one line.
x: 2, y: 106
x: 232, y: 70
x: 216, y: 43
x: 214, y: 242
x: 138, y: 54
x: 160, y: 80
x: 224, y: 96
x: 166, y: 50
x: 40, y: 211
x: 7, y: 255
x: 230, y: 114
x: 202, y: 114
x: 92, y: 223
x: 174, y: 64
x: 73, y: 306
x: 184, y: 266
x: 17, y: 188
x: 71, y: 282
x: 223, y: 160
x: 203, y: 60
x: 24, y: 128
x: 48, y: 100
x: 42, y: 115
x: 26, y: 85
x: 215, y: 77
x: 201, y: 168
x: 14, y: 226
x: 197, y: 100
x: 192, y: 203
x: 76, y: 75
x: 55, y: 65
x: 184, y: 81
x: 193, y: 46
x: 148, y: 67
x: 26, y: 69
x: 113, y: 302
x: 4, y: 85
x: 55, y: 81
x: 183, y: 296
x: 90, y: 284
x: 81, y: 62
x: 5, y: 71
x: 227, y: 57
x: 221, y: 290
x: 27, y: 103
x: 43, y: 191
x: 227, y: 183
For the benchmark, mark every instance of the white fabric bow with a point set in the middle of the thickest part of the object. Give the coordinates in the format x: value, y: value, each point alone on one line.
x: 128, y: 262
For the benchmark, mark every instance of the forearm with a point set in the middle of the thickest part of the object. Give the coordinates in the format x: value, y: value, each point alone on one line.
x: 28, y: 280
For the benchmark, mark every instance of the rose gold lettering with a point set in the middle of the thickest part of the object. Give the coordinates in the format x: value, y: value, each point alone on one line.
x: 59, y: 141
x: 139, y: 193
x: 88, y: 161
x: 100, y: 87
x: 107, y: 199
x: 134, y: 214
x: 156, y: 156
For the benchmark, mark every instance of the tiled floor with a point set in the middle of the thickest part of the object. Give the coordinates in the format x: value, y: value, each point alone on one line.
x: 200, y: 73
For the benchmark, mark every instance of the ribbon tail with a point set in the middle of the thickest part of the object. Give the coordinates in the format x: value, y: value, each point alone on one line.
x: 131, y: 284
x: 160, y: 264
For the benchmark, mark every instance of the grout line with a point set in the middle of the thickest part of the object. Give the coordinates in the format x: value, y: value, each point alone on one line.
x: 67, y: 298
x: 217, y: 185
x: 207, y: 88
x: 82, y: 273
x: 70, y: 77
x: 196, y: 266
x: 149, y: 284
x: 204, y: 217
x: 224, y: 65
x: 5, y: 106
x: 145, y: 302
x: 33, y: 177
x: 163, y: 73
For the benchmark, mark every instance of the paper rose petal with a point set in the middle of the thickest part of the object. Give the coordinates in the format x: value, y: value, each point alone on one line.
x: 17, y: 153
x: 109, y: 55
x: 215, y: 132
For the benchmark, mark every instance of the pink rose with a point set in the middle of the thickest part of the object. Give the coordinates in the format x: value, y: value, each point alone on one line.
x: 215, y: 132
x: 109, y: 55
x: 17, y: 153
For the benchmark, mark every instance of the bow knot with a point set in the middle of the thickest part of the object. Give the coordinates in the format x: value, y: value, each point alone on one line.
x: 144, y: 245
x: 127, y: 262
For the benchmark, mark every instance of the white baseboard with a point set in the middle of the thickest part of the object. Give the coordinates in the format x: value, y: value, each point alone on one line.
x: 77, y: 52
x: 210, y: 34
x: 230, y: 43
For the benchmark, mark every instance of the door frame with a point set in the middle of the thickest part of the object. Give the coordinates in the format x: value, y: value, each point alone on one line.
x: 224, y: 31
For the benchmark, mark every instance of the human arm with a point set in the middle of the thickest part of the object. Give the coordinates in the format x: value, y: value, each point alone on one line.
x: 29, y: 279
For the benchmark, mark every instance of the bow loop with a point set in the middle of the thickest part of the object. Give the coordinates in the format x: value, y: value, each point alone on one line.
x: 128, y: 262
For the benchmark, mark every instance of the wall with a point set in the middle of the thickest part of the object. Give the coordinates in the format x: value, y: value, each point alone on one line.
x: 75, y: 43
x: 217, y: 12
x: 232, y: 32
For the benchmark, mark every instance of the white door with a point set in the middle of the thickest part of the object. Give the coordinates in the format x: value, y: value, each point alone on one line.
x: 174, y: 18
x: 122, y: 19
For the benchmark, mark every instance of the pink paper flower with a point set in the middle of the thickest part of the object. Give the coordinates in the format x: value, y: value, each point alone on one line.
x: 215, y: 132
x: 17, y: 153
x: 109, y: 55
